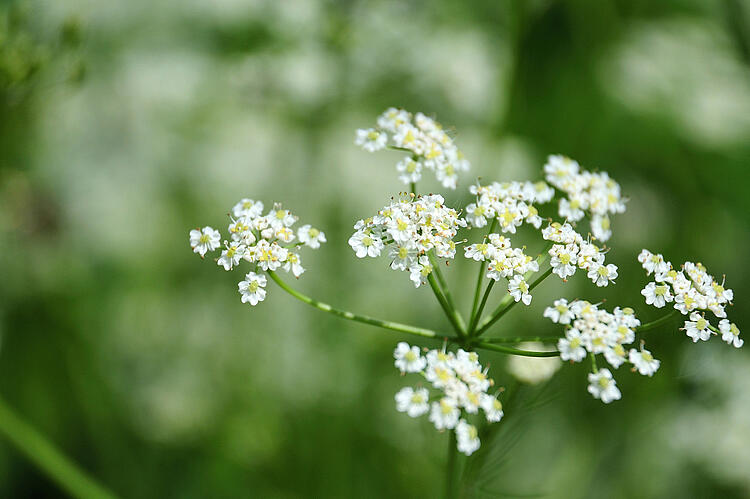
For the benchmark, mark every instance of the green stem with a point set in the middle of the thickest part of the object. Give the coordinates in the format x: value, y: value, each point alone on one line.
x: 480, y: 277
x: 521, y: 339
x: 446, y: 292
x: 593, y: 362
x: 507, y: 303
x: 514, y: 351
x: 444, y: 304
x: 478, y: 312
x: 450, y: 472
x: 393, y: 326
x: 413, y: 188
x: 50, y: 460
x: 658, y: 322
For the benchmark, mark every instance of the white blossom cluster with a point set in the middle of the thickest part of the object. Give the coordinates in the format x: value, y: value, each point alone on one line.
x: 430, y: 146
x: 266, y: 241
x: 694, y: 292
x: 505, y: 262
x: 587, y: 192
x: 409, y: 228
x: 571, y: 252
x: 511, y: 203
x: 592, y: 331
x: 459, y: 389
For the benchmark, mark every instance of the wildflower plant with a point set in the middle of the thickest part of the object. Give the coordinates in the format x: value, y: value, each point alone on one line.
x: 419, y: 235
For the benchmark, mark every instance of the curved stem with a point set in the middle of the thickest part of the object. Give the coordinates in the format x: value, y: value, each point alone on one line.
x: 658, y: 322
x: 593, y: 362
x: 393, y: 326
x: 450, y: 313
x: 521, y: 339
x: 507, y: 303
x: 514, y: 351
x: 446, y: 292
x: 50, y: 460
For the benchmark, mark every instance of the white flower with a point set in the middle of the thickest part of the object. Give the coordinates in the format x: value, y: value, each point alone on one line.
x: 698, y: 328
x: 615, y: 355
x: 564, y: 259
x: 408, y: 358
x: 278, y: 217
x: 247, y: 208
x: 311, y: 236
x: 293, y: 264
x: 444, y: 414
x: 410, y: 170
x: 589, y: 255
x: 602, y: 386
x: 492, y: 407
x: 571, y: 347
x: 476, y: 214
x: 560, y: 312
x: 447, y: 175
x: 470, y: 400
x: 420, y: 270
x: 413, y: 402
x: 560, y: 168
x: 600, y: 227
x: 601, y: 275
x: 643, y: 361
x: 730, y: 333
x: 688, y: 301
x: 403, y: 256
x: 365, y: 244
x: 231, y: 256
x: 519, y: 289
x: 409, y: 137
x: 371, y: 140
x: 571, y: 209
x: 252, y: 288
x: 270, y: 256
x: 653, y: 263
x: 204, y: 240
x: 393, y: 118
x: 479, y: 252
x: 467, y: 438
x: 657, y: 295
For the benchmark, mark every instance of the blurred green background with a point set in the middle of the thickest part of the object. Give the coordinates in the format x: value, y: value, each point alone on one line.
x: 124, y: 125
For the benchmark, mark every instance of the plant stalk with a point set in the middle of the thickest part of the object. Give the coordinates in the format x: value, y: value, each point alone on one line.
x: 48, y: 458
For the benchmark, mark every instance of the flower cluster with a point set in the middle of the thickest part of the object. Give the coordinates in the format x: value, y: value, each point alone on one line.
x: 430, y: 146
x: 594, y: 193
x: 267, y: 241
x: 592, y: 331
x: 460, y: 388
x: 571, y: 252
x: 694, y: 292
x: 505, y: 262
x: 511, y: 203
x: 409, y: 228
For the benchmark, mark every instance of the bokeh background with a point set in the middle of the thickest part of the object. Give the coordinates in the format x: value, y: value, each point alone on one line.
x: 124, y: 125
